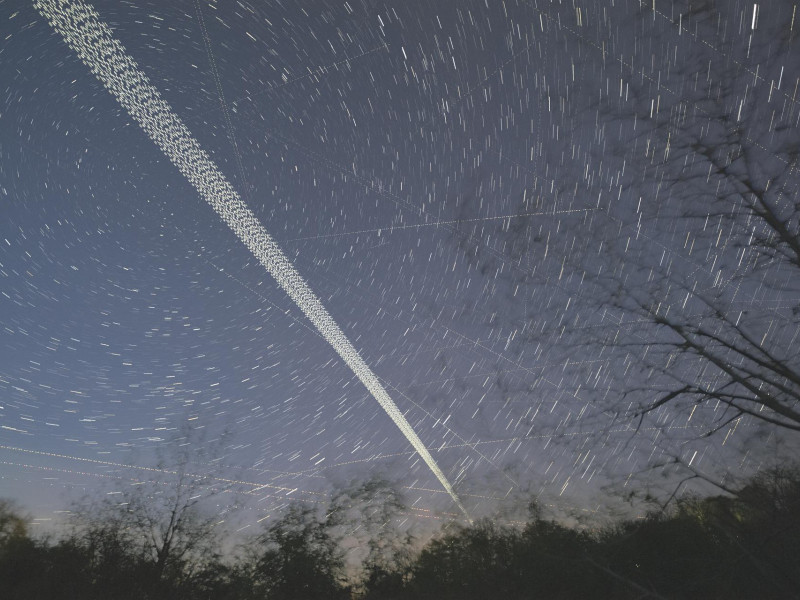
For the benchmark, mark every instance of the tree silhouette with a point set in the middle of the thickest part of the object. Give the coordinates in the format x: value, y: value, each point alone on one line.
x: 157, y: 533
x: 12, y: 523
x: 20, y: 557
x: 738, y: 546
x: 366, y: 514
x: 298, y: 558
x: 468, y: 562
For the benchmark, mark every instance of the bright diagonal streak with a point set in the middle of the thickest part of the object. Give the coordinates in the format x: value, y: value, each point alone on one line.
x: 92, y: 40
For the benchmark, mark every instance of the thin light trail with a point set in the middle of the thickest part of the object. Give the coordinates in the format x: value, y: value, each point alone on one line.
x: 92, y: 40
x: 221, y: 94
x: 392, y: 228
x: 95, y: 461
x: 416, y: 511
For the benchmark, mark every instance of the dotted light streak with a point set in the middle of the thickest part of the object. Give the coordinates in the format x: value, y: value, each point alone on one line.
x: 92, y: 40
x: 414, y: 510
x: 154, y: 469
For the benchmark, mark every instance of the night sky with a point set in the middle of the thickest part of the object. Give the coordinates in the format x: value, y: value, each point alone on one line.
x: 443, y: 174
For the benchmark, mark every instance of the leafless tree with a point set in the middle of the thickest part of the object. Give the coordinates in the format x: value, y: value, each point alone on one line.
x: 683, y: 272
x: 165, y: 517
x: 709, y: 297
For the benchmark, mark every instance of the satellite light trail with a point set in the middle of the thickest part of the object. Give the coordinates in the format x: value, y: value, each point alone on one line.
x: 93, y: 42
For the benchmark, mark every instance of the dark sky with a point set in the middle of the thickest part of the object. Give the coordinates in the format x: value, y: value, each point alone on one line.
x: 437, y: 172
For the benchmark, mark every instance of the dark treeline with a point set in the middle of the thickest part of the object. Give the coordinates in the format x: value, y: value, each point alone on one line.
x: 744, y: 545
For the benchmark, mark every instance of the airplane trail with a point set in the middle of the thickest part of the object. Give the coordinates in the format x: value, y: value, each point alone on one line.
x: 92, y: 40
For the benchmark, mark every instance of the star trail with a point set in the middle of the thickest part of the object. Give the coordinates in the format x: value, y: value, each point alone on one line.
x: 556, y: 242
